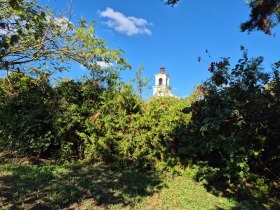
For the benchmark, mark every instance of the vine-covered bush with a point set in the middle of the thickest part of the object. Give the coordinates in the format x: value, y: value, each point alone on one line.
x: 26, y: 118
x: 235, y: 126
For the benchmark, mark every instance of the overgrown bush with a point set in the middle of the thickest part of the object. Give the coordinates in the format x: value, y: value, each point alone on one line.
x: 26, y: 118
x: 129, y: 132
x: 235, y: 126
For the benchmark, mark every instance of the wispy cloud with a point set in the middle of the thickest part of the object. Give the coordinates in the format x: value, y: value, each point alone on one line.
x: 124, y: 24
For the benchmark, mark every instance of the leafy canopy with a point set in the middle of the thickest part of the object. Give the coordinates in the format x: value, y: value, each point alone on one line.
x: 34, y: 35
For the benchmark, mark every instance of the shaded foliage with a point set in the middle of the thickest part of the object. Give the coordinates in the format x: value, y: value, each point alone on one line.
x: 172, y: 2
x: 264, y: 16
x: 26, y: 115
x: 234, y: 126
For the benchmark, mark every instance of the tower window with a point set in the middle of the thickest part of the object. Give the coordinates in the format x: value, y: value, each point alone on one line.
x: 160, y: 81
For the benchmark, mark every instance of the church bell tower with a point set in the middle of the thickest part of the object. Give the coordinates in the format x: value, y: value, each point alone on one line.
x: 162, y: 87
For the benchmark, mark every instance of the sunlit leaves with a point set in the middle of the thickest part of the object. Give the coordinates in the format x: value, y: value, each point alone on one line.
x: 32, y: 35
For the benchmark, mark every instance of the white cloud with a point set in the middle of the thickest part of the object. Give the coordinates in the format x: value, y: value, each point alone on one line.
x: 104, y: 64
x: 63, y: 22
x: 123, y: 24
x: 81, y: 66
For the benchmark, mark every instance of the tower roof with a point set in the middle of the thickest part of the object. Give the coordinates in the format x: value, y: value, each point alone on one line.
x: 162, y: 70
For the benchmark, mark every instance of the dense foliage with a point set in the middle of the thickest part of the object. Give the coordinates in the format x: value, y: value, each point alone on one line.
x: 35, y: 43
x: 130, y: 132
x: 26, y: 114
x: 229, y: 126
x: 235, y: 126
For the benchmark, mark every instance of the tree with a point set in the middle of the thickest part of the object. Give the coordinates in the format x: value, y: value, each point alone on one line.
x: 29, y: 33
x: 35, y: 43
x: 265, y: 14
x: 26, y: 117
x: 234, y: 125
x: 32, y: 35
x: 172, y: 2
x: 140, y: 81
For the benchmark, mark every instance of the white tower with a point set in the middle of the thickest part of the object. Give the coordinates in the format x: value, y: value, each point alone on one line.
x: 162, y: 87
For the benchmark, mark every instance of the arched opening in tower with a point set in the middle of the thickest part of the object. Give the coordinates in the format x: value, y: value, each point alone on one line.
x: 160, y: 81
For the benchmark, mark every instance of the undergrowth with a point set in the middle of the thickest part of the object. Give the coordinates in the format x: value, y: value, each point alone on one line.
x: 85, y: 185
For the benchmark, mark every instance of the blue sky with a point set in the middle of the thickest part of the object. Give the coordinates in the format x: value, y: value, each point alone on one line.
x: 155, y: 35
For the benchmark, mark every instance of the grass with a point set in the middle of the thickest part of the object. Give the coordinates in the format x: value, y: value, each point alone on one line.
x: 99, y: 186
x: 184, y: 193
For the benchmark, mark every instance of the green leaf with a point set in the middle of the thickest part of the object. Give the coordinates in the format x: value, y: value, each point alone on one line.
x: 241, y: 165
x: 241, y: 174
x: 14, y: 4
x: 3, y: 25
x: 14, y: 39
